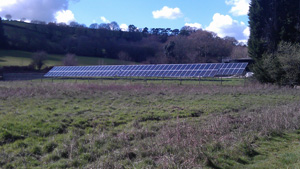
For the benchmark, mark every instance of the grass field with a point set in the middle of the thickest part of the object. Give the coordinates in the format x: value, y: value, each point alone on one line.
x: 107, y: 124
x: 22, y: 58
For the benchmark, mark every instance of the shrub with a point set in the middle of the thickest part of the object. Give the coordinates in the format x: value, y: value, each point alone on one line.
x: 38, y: 60
x: 283, y: 66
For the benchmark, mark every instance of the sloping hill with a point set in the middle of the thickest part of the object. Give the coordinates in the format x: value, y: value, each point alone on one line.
x: 82, y: 41
x: 22, y: 58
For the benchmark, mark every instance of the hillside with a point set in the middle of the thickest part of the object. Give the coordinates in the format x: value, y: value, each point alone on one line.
x: 81, y: 41
x: 23, y: 58
x: 156, y: 45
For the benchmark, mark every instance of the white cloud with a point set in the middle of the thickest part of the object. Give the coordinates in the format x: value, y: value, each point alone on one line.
x: 167, y: 13
x: 65, y: 16
x: 5, y: 3
x: 43, y: 10
x: 124, y: 27
x: 240, y: 7
x: 246, y: 32
x: 224, y: 25
x: 104, y: 19
x: 194, y: 25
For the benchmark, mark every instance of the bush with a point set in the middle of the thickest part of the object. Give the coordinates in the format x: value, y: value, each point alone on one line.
x: 38, y: 60
x: 283, y: 66
x: 289, y: 58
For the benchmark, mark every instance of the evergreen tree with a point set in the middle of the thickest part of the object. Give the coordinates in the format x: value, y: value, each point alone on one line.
x: 271, y: 21
x: 256, y: 42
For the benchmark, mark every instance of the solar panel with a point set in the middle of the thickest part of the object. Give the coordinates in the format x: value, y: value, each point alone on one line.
x: 161, y: 70
x: 230, y: 69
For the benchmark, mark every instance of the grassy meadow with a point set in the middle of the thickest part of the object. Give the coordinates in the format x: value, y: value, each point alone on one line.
x: 22, y: 58
x: 107, y: 124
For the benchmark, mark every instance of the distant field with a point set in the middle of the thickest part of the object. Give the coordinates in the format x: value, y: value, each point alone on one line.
x: 124, y: 124
x: 22, y: 58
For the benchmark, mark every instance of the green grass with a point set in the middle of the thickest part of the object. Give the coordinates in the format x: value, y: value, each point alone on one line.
x: 278, y: 152
x: 159, y: 81
x: 146, y: 125
x: 22, y: 58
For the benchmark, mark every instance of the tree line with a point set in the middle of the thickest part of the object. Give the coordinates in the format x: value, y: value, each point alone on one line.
x: 108, y: 40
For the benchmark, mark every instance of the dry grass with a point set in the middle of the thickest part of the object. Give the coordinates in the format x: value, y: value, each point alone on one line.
x: 146, y: 140
x: 186, y: 144
x: 48, y: 89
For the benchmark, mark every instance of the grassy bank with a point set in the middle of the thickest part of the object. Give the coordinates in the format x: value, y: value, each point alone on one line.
x: 138, y: 125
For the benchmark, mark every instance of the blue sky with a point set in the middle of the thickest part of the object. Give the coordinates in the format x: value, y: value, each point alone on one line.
x: 224, y: 17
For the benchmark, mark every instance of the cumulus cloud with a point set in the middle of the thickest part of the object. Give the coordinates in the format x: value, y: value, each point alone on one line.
x: 44, y: 10
x: 65, y: 16
x: 246, y: 32
x: 239, y: 7
x: 103, y: 19
x: 224, y: 25
x: 194, y: 25
x: 167, y: 13
x: 124, y: 27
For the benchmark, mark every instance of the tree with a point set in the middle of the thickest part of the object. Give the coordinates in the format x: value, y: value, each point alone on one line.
x: 74, y: 24
x: 38, y: 59
x: 132, y: 28
x: 239, y: 51
x: 70, y: 60
x: 145, y: 32
x: 186, y: 31
x: 271, y: 21
x: 3, y: 38
x: 94, y: 26
x: 169, y: 50
x: 8, y: 16
x: 175, y: 32
x: 114, y: 26
x: 104, y: 26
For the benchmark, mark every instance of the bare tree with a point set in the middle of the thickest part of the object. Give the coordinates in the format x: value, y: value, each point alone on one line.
x: 239, y: 52
x: 70, y: 60
x: 38, y: 59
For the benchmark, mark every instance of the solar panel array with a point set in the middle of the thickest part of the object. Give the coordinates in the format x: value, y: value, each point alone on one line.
x: 160, y: 70
x: 230, y: 69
